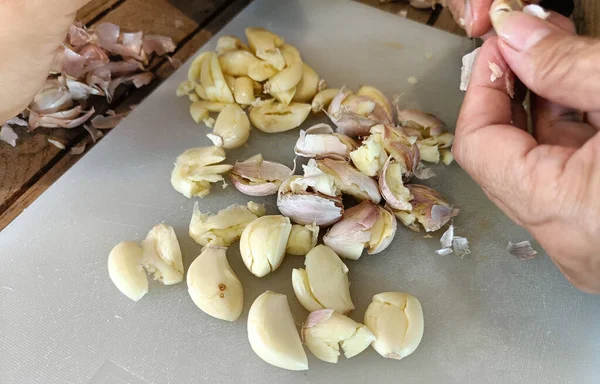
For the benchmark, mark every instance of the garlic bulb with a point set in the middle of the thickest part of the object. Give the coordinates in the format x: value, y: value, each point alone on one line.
x: 225, y: 227
x: 304, y: 206
x: 272, y: 332
x: 396, y: 320
x: 354, y: 115
x: 126, y: 271
x: 263, y: 243
x: 350, y: 180
x: 392, y: 189
x: 257, y: 177
x: 278, y: 117
x: 324, y: 283
x: 366, y: 225
x: 196, y: 169
x: 302, y: 239
x: 320, y: 140
x: 214, y: 287
x: 429, y: 208
x: 326, y: 330
x: 370, y: 157
x: 161, y: 255
x: 232, y: 128
x: 265, y: 45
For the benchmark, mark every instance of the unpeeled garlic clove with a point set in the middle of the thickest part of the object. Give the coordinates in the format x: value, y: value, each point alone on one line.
x: 377, y: 96
x: 392, y: 189
x: 243, y: 90
x: 305, y: 207
x: 230, y: 43
x: 126, y: 271
x: 272, y: 332
x: 263, y: 243
x: 194, y: 171
x: 317, y: 180
x: 401, y: 147
x: 355, y: 115
x: 257, y: 177
x: 302, y: 239
x: 370, y: 157
x: 309, y: 85
x: 232, y: 127
x: 225, y: 227
x: 428, y: 124
x: 161, y: 255
x: 430, y: 209
x: 265, y: 45
x: 213, y: 81
x: 214, y: 287
x: 278, y: 117
x: 325, y: 330
x: 237, y: 63
x: 322, y: 99
x: 320, y: 140
x: 396, y: 320
x: 350, y: 180
x: 324, y: 283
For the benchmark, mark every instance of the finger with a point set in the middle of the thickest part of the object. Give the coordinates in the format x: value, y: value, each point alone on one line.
x: 593, y: 119
x: 476, y: 17
x: 551, y: 62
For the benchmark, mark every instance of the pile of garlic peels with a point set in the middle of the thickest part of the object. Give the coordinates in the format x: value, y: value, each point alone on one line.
x: 90, y: 62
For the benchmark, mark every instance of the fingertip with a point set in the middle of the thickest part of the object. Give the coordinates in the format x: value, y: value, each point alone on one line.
x: 479, y: 19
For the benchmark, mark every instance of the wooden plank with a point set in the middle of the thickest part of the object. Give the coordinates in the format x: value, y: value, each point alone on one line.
x: 587, y: 17
x: 94, y: 8
x: 401, y: 8
x: 446, y: 22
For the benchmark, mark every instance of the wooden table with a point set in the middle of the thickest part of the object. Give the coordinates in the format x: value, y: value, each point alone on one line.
x: 29, y: 169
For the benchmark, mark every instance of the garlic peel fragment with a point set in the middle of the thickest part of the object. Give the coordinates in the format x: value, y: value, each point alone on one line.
x: 349, y: 236
x: 350, y: 180
x: 320, y: 140
x: 257, y: 177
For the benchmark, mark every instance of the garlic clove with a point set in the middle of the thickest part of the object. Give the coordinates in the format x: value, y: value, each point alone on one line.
x: 225, y: 227
x: 383, y: 232
x: 243, y: 90
x: 212, y: 106
x: 285, y: 80
x: 196, y: 67
x: 232, y: 126
x: 161, y: 255
x: 401, y: 147
x: 319, y: 140
x: 354, y: 115
x: 325, y: 330
x: 447, y: 157
x: 290, y: 54
x: 322, y: 99
x: 201, y: 92
x: 302, y: 239
x: 392, y: 189
x: 317, y: 180
x: 230, y: 43
x: 377, y: 96
x: 370, y: 157
x: 214, y: 287
x: 429, y: 209
x: 350, y: 180
x: 261, y: 71
x: 185, y: 88
x: 349, y: 236
x: 272, y: 332
x: 284, y: 97
x: 327, y: 278
x: 126, y: 271
x: 188, y: 176
x: 263, y: 243
x: 279, y: 117
x: 236, y: 63
x: 396, y: 320
x: 408, y: 219
x: 428, y: 124
x: 198, y: 112
x: 308, y: 86
x: 302, y: 290
x: 213, y: 81
x: 257, y: 177
x: 265, y: 45
x: 429, y: 151
x: 189, y: 188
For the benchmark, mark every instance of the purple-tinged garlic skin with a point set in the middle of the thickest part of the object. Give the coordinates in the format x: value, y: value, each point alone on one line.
x: 355, y: 115
x: 430, y: 208
x: 320, y: 140
x: 350, y: 180
x: 258, y: 177
x: 392, y: 189
x: 425, y: 122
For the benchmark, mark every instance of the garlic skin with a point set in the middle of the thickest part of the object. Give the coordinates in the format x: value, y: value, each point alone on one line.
x: 225, y: 227
x: 370, y: 157
x: 325, y: 330
x: 320, y: 140
x: 324, y: 283
x: 428, y: 124
x: 232, y: 127
x: 303, y: 206
x: 257, y: 177
x: 278, y: 117
x: 126, y: 271
x: 396, y: 320
x: 302, y: 239
x: 392, y: 189
x: 401, y: 147
x: 214, y: 287
x: 161, y: 255
x: 196, y: 169
x: 263, y: 243
x: 350, y: 180
x: 272, y: 332
x: 377, y: 96
x: 265, y: 45
x: 322, y: 99
x: 430, y: 208
x: 354, y: 115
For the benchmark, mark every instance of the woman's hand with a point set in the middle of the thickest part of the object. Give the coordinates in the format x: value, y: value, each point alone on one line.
x: 30, y: 33
x: 548, y: 183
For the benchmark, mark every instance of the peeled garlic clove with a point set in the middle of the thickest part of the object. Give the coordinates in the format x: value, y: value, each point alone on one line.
x: 447, y: 157
x: 319, y: 140
x: 261, y: 71
x: 305, y: 207
x: 214, y: 287
x: 308, y: 86
x: 325, y: 330
x: 322, y: 99
x: 408, y: 220
x: 257, y: 177
x: 500, y: 7
x: 279, y: 117
x: 185, y: 88
x: 265, y: 45
x: 350, y: 180
x: 284, y: 97
x: 213, y: 81
x: 349, y: 236
x: 377, y: 96
x: 317, y: 180
x: 188, y: 176
x: 126, y: 271
x: 326, y: 281
x: 198, y: 112
x: 290, y: 54
x: 211, y: 106
x: 429, y: 150
x: 284, y: 80
x: 236, y: 63
x: 302, y: 239
x: 263, y: 243
x: 272, y: 332
x: 428, y: 124
x: 232, y: 126
x: 392, y: 189
x: 383, y: 232
x: 370, y: 157
x: 223, y: 228
x: 229, y: 43
x: 243, y: 90
x: 396, y: 320
x: 161, y: 255
x: 196, y: 67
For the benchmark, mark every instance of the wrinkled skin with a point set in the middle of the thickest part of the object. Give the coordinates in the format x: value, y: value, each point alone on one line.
x: 30, y: 33
x: 548, y: 182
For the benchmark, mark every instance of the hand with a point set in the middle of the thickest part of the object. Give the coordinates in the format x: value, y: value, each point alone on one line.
x: 548, y: 183
x: 30, y: 33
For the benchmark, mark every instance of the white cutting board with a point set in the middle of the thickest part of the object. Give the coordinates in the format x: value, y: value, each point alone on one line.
x: 488, y: 317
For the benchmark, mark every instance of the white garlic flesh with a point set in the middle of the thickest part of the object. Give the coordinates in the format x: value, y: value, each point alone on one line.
x: 392, y: 189
x: 320, y: 140
x: 370, y: 157
x: 265, y: 45
x: 278, y: 117
x: 196, y: 168
x: 161, y: 255
x: 126, y: 271
x: 232, y: 127
x: 302, y: 239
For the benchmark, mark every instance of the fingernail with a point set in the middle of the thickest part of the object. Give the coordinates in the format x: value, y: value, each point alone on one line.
x: 468, y: 17
x: 519, y: 30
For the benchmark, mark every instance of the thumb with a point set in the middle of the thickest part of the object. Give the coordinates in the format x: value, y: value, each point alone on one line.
x: 550, y: 61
